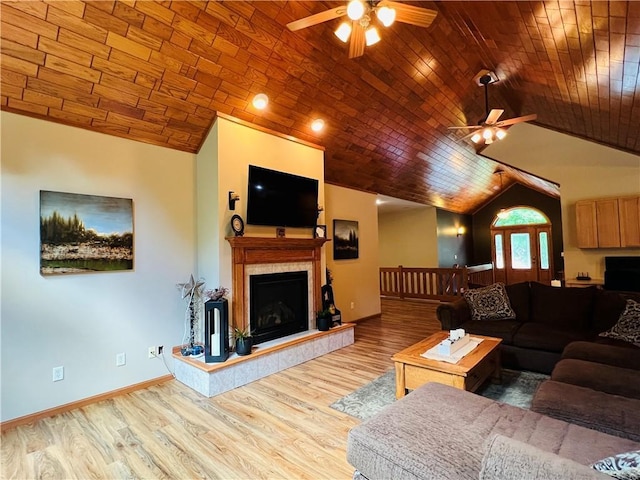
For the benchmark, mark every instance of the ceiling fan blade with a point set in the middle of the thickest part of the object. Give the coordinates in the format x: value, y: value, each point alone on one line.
x: 317, y: 18
x: 493, y: 116
x: 473, y: 127
x: 421, y: 17
x: 511, y: 121
x: 357, y: 41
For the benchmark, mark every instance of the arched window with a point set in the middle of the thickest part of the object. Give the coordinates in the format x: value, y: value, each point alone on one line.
x: 520, y: 216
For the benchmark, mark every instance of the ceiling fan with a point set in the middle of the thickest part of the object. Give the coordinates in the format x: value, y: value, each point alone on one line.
x: 358, y: 30
x: 490, y: 129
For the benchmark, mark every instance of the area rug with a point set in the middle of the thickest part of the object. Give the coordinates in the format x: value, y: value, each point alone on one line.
x: 517, y: 388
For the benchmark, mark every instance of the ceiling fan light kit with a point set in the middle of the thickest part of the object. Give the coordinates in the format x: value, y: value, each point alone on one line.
x: 490, y: 129
x: 343, y: 32
x: 371, y: 36
x: 358, y: 31
x: 489, y: 134
x: 386, y: 16
x: 355, y: 10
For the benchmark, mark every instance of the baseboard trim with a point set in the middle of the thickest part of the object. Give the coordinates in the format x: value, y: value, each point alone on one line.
x: 16, y: 422
x: 364, y: 319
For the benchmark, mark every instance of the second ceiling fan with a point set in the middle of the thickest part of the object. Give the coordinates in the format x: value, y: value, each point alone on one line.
x: 490, y: 128
x: 358, y: 30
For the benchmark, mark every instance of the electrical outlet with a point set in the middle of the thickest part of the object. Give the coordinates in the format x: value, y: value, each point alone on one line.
x: 121, y: 359
x: 58, y: 374
x: 152, y: 352
x: 353, y: 305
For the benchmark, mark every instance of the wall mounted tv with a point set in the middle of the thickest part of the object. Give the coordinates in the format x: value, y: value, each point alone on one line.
x: 281, y: 199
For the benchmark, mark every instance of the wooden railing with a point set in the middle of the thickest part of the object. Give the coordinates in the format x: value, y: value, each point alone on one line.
x: 481, y: 274
x: 445, y: 284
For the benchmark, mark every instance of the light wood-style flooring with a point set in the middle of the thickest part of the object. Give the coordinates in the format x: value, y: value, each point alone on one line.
x: 279, y: 427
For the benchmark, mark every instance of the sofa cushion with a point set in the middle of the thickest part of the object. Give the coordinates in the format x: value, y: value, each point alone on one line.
x: 598, y: 376
x: 617, y: 356
x: 489, y: 303
x: 607, y: 308
x: 628, y: 326
x: 623, y: 466
x: 509, y: 459
x: 564, y: 308
x: 612, y: 414
x: 520, y: 300
x: 504, y: 329
x: 540, y: 336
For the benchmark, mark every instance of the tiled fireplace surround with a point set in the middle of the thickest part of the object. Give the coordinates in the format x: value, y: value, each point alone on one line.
x: 256, y: 256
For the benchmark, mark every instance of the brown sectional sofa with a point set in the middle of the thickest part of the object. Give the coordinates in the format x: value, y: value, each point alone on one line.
x: 440, y: 433
x: 547, y: 320
x: 437, y: 432
x: 596, y: 386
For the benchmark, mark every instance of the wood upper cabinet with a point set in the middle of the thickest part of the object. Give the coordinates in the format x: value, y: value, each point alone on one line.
x: 608, y: 222
x: 586, y: 224
x: 629, y: 210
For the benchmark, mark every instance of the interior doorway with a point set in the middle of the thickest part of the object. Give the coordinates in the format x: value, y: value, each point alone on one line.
x: 521, y: 247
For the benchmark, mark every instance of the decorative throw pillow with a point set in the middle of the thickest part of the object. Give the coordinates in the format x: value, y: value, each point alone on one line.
x: 624, y: 466
x: 628, y: 326
x: 489, y: 303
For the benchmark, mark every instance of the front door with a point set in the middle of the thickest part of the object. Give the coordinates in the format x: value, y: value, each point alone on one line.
x: 522, y: 253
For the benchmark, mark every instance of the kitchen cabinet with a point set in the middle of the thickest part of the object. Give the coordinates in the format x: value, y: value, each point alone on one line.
x: 629, y: 210
x: 608, y: 222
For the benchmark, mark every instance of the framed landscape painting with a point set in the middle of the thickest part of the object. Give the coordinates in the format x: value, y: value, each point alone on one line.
x: 85, y: 233
x: 345, y: 239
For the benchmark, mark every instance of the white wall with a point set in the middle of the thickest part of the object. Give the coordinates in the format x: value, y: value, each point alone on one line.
x: 355, y: 280
x: 228, y: 151
x: 408, y: 238
x: 81, y: 321
x: 584, y: 170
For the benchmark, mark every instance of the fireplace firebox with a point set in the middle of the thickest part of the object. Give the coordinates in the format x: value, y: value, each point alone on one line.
x: 279, y: 305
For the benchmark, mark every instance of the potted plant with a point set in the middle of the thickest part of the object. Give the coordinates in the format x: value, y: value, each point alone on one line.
x: 324, y: 320
x: 243, y: 340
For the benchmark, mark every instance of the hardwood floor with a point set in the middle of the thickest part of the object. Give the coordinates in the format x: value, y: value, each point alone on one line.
x: 278, y: 427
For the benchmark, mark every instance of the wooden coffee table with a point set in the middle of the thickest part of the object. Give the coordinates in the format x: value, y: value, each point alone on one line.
x: 413, y: 370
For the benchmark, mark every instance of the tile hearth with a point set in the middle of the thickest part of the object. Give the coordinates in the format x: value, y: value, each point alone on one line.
x: 212, y: 379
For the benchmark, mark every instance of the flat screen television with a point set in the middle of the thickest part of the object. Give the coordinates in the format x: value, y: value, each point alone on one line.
x: 281, y: 199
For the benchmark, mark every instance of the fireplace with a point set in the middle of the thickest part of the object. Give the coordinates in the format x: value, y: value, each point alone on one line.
x: 255, y: 255
x: 279, y: 305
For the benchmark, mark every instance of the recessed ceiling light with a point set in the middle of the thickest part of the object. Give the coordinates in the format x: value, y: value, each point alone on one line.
x: 317, y: 125
x: 260, y: 101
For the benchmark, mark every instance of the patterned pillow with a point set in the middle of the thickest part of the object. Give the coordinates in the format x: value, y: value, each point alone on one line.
x: 624, y: 466
x: 628, y: 326
x: 490, y: 303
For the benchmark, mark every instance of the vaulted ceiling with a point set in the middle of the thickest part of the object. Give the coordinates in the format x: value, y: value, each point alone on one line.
x: 159, y: 71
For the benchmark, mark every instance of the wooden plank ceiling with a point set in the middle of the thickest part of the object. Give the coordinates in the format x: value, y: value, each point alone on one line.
x: 158, y: 72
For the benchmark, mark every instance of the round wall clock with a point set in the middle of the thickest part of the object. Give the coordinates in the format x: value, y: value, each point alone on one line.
x: 237, y: 225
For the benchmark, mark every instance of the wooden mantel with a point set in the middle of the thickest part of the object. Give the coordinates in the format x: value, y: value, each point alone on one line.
x: 259, y: 250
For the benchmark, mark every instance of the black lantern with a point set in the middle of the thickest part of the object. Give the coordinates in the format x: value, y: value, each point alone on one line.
x: 216, y: 330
